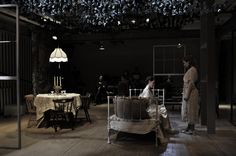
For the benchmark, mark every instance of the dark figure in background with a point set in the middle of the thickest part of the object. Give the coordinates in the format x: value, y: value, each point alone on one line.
x: 101, y: 94
x: 136, y: 82
x: 168, y: 87
x: 123, y: 86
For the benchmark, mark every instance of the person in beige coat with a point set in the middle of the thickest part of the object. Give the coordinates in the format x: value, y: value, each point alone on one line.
x: 190, y: 105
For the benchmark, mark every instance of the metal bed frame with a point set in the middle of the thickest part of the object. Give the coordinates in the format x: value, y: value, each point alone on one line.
x: 159, y: 94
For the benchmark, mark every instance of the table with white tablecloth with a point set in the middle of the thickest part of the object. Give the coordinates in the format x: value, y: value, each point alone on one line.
x: 44, y: 102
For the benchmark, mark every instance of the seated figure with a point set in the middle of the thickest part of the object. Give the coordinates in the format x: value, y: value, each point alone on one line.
x: 123, y: 86
x: 164, y: 118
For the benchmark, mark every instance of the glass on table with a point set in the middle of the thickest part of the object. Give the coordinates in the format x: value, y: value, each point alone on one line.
x: 63, y: 92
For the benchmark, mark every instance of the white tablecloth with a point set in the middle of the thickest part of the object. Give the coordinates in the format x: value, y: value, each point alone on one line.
x: 44, y: 102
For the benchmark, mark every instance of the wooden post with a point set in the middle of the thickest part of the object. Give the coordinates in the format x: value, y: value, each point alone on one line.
x: 208, y: 67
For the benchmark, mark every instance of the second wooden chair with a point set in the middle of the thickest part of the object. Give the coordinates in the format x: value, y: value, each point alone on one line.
x: 85, y: 106
x: 62, y: 116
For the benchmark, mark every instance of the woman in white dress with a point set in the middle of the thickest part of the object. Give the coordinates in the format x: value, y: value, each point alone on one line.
x: 162, y: 112
x: 190, y: 105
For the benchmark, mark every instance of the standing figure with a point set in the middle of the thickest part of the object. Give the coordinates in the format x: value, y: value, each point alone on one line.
x: 101, y: 91
x: 190, y: 105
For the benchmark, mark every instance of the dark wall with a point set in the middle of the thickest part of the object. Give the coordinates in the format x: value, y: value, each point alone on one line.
x: 227, y: 70
x: 43, y: 70
x: 121, y: 56
x: 8, y: 95
x: 35, y: 48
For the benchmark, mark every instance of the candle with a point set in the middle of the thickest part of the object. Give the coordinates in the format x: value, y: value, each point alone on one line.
x: 60, y: 80
x: 54, y: 80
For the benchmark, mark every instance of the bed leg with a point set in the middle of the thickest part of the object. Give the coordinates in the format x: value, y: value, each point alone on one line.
x: 108, y: 119
x: 156, y: 139
x: 108, y: 138
x: 156, y: 144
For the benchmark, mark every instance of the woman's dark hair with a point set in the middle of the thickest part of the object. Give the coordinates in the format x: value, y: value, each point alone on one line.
x: 189, y: 59
x: 149, y: 78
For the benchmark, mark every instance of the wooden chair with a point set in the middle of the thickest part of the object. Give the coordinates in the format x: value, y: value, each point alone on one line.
x: 62, y: 116
x: 85, y: 106
x: 29, y: 99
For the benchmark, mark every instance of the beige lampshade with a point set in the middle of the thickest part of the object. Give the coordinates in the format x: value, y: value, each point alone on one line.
x: 58, y: 55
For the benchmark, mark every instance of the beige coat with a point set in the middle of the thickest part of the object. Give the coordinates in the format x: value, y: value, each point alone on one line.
x: 190, y: 107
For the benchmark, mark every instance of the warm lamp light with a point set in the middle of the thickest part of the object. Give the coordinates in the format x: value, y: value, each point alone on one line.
x: 58, y: 55
x: 101, y: 47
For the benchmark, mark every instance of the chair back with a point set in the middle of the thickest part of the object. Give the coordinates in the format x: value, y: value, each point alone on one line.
x: 29, y: 99
x: 63, y: 105
x: 85, y: 101
x: 62, y: 116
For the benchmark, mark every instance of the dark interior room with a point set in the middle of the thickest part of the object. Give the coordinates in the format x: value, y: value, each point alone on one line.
x: 118, y: 77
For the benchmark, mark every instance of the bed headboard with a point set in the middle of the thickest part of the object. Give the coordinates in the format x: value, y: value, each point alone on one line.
x: 158, y: 93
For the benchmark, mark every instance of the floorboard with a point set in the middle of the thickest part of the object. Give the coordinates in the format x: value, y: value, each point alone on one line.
x: 91, y: 139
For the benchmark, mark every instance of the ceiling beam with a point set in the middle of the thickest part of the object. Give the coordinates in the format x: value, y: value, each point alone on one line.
x: 12, y: 14
x: 132, y: 35
x: 227, y: 26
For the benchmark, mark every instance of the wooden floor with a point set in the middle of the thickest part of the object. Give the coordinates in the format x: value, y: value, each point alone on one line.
x: 91, y: 139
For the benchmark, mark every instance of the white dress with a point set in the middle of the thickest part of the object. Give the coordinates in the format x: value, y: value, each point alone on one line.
x: 147, y: 93
x: 189, y: 111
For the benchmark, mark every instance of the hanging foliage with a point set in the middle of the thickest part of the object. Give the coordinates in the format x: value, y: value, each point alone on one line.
x: 95, y: 15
